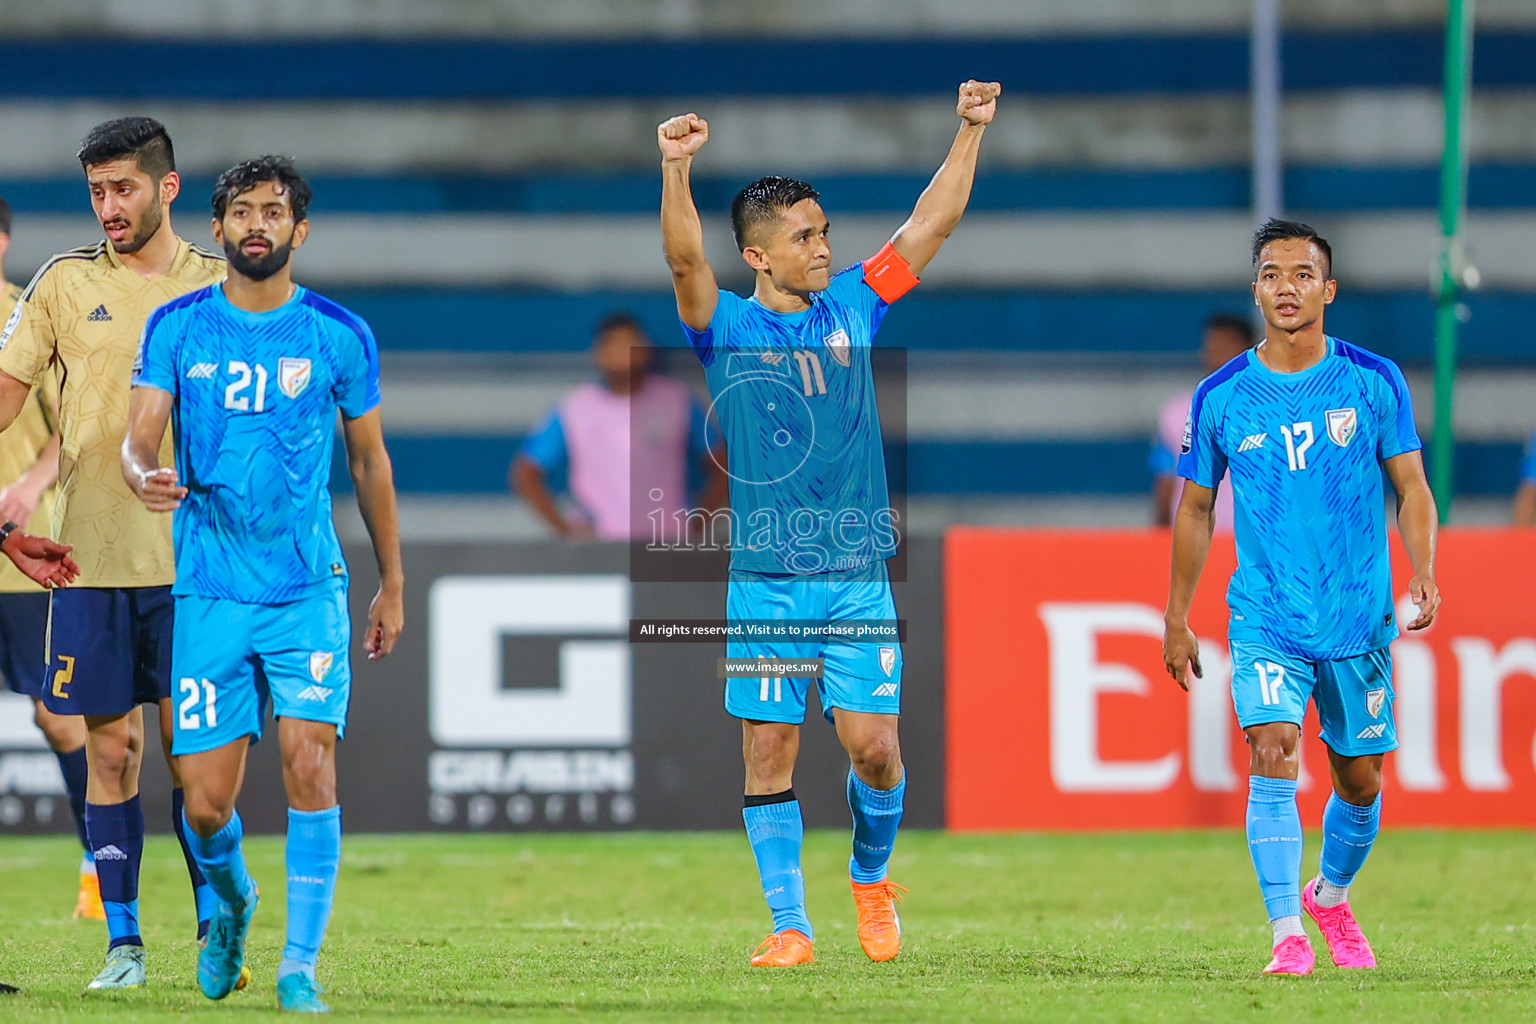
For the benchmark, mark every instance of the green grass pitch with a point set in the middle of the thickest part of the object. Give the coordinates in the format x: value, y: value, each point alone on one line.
x: 1115, y: 927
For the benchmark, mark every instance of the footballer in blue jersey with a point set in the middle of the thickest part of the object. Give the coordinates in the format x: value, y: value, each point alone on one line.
x: 253, y: 371
x: 790, y: 373
x: 1305, y: 424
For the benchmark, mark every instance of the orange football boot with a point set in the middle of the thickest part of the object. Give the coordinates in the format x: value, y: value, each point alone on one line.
x: 88, y: 903
x: 879, y: 927
x: 784, y: 949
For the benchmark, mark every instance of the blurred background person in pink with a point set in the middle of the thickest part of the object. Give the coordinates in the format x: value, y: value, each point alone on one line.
x: 1224, y: 337
x: 621, y: 440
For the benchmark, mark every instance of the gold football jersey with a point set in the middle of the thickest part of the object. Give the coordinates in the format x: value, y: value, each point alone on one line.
x: 81, y: 318
x: 20, y: 445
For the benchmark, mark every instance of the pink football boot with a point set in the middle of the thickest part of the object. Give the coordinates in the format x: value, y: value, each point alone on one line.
x: 1347, y: 945
x: 1292, y: 956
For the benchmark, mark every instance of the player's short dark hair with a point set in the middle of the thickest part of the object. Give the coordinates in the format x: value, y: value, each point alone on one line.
x: 1238, y: 324
x: 5, y: 216
x: 765, y: 200
x: 142, y: 138
x: 245, y: 176
x: 617, y: 320
x: 1275, y: 230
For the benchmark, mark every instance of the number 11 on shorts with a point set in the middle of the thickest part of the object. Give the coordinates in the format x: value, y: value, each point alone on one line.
x: 778, y: 689
x: 1271, y: 678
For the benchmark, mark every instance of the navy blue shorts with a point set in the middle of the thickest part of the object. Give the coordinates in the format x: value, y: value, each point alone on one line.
x: 108, y: 650
x: 23, y: 624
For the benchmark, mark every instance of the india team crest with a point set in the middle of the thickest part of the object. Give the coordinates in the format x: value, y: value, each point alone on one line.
x: 841, y: 348
x: 887, y: 658
x: 320, y: 661
x: 292, y: 376
x: 1342, y: 425
x: 1375, y: 700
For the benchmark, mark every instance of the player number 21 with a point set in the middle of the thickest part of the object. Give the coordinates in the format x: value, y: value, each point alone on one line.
x: 208, y: 694
x: 1298, y: 438
x: 233, y: 399
x: 1271, y: 678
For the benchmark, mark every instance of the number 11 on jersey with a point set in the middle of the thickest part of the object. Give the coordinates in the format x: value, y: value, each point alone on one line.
x: 810, y: 372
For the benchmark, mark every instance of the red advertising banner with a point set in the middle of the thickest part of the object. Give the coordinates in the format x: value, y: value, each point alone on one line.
x: 1060, y: 715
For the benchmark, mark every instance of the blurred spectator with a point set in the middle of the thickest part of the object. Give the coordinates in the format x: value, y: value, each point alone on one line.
x: 1224, y: 337
x: 1525, y: 497
x: 622, y: 439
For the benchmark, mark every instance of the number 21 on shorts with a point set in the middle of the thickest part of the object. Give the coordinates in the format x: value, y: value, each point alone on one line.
x: 1271, y: 678
x: 193, y: 694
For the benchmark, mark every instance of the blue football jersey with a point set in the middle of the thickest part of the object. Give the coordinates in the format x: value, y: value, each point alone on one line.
x: 256, y: 396
x: 794, y: 394
x: 1305, y: 451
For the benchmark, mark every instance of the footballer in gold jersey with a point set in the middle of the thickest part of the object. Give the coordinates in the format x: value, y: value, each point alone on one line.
x: 109, y: 637
x: 29, y: 466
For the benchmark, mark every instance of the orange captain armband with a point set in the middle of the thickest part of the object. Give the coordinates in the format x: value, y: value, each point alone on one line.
x: 889, y: 274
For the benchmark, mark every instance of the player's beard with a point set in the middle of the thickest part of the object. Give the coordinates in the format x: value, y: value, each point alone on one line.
x: 258, y: 268
x: 153, y: 218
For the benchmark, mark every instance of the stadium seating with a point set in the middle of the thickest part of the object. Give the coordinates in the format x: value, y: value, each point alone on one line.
x: 484, y: 207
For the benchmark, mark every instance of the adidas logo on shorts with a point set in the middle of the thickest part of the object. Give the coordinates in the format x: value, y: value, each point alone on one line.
x: 318, y: 694
x: 110, y: 853
x: 1372, y: 732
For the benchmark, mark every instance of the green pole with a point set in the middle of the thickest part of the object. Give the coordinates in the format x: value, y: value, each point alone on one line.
x: 1454, y: 274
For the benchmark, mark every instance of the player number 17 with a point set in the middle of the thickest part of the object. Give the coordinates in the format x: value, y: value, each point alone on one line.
x: 1298, y: 438
x: 1271, y: 678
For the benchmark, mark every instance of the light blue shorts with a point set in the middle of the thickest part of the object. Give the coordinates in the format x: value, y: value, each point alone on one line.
x: 857, y: 676
x: 1353, y: 695
x: 229, y: 659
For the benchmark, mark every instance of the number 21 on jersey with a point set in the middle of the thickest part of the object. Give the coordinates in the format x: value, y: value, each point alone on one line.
x: 236, y: 396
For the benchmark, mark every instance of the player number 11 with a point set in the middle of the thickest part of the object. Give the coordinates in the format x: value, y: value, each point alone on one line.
x: 810, y: 373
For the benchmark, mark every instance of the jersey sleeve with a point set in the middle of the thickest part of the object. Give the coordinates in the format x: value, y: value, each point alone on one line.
x: 27, y: 339
x: 1528, y: 463
x: 708, y: 342
x: 545, y: 447
x: 1396, y: 433
x: 357, y: 383
x: 155, y: 365
x: 1200, y: 456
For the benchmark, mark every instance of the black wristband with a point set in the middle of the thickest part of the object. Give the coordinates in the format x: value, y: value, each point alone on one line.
x: 6, y: 530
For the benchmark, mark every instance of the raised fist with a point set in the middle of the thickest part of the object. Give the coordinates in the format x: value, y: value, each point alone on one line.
x: 978, y: 101
x: 681, y: 136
